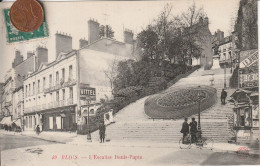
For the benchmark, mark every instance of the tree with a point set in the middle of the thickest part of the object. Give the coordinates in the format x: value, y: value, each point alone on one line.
x: 191, y: 22
x: 111, y: 72
x: 149, y: 43
x: 246, y: 25
x: 124, y: 76
x: 106, y: 31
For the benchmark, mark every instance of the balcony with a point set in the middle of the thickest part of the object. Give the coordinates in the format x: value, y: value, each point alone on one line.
x: 60, y: 85
x: 50, y: 105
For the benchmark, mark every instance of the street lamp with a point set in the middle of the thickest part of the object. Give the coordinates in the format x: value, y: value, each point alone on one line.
x: 225, y: 68
x: 199, y: 100
x: 88, y: 135
x: 238, y: 66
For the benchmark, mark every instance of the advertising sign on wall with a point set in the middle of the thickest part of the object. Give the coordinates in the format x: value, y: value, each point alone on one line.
x: 249, y: 80
x: 87, y: 94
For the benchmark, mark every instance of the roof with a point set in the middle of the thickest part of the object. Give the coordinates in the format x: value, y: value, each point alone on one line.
x: 44, y: 66
x: 240, y: 91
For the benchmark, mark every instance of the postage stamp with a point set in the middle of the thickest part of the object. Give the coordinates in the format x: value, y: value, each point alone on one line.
x: 14, y: 35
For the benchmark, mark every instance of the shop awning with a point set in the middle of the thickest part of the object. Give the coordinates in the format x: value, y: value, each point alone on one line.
x: 6, y: 121
x: 17, y: 122
x: 2, y: 121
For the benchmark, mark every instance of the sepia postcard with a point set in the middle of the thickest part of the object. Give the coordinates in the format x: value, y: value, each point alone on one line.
x: 122, y: 83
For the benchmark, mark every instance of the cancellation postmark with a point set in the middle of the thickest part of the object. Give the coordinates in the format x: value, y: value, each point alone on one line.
x: 242, y: 152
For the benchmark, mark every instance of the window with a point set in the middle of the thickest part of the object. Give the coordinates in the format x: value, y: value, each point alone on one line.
x: 57, y: 77
x: 33, y: 87
x: 39, y: 85
x: 57, y: 96
x: 29, y: 89
x: 73, y: 118
x: 70, y: 72
x: 50, y: 122
x: 43, y: 83
x: 50, y: 80
x: 58, y: 122
x: 26, y: 90
x: 242, y: 120
x: 63, y: 74
x: 71, y: 92
x: 63, y: 94
x: 30, y: 121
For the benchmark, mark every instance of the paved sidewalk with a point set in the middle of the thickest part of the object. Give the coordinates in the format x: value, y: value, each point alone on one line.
x: 217, y: 147
x: 59, y: 137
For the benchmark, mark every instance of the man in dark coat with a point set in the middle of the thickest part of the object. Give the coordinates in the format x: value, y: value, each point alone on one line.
x: 38, y: 130
x: 223, y: 96
x: 185, y: 129
x: 102, y: 132
x: 193, y: 130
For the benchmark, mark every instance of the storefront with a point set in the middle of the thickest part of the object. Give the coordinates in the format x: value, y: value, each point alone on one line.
x: 59, y: 119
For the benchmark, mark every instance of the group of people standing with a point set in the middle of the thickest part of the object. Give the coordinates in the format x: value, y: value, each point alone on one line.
x: 189, y: 128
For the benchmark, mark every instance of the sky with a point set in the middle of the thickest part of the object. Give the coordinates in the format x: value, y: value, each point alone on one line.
x: 72, y: 18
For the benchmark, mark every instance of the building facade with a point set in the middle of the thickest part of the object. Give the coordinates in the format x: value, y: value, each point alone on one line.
x: 225, y: 52
x: 50, y: 95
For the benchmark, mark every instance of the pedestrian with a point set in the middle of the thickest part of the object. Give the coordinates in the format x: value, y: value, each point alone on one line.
x: 185, y: 129
x: 38, y: 130
x: 223, y: 96
x: 193, y: 130
x: 102, y: 132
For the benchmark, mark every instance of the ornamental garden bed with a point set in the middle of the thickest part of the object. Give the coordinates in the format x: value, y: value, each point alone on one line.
x: 180, y: 102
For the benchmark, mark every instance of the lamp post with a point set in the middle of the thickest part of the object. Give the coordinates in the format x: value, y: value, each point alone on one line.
x: 238, y: 65
x: 225, y: 68
x: 88, y: 135
x: 199, y: 100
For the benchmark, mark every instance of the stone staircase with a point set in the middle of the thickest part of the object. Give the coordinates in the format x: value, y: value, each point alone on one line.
x: 131, y: 123
x: 155, y: 85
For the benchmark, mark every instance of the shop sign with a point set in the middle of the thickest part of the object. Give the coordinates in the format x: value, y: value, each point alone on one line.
x: 249, y: 60
x: 249, y: 80
x: 88, y: 93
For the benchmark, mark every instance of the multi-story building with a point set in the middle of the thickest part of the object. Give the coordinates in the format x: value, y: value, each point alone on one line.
x: 201, y: 34
x: 7, y: 107
x: 12, y: 103
x: 1, y: 98
x: 225, y: 52
x: 55, y: 94
x: 50, y: 95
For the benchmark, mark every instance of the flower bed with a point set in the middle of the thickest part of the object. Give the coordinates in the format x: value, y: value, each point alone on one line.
x: 180, y: 102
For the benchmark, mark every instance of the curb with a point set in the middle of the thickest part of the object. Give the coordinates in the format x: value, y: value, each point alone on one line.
x: 45, y: 139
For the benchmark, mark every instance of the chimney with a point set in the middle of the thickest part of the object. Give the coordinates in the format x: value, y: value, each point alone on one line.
x: 41, y: 56
x: 128, y: 36
x: 93, y: 31
x: 63, y: 43
x: 18, y: 58
x: 83, y: 43
x: 30, y: 54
